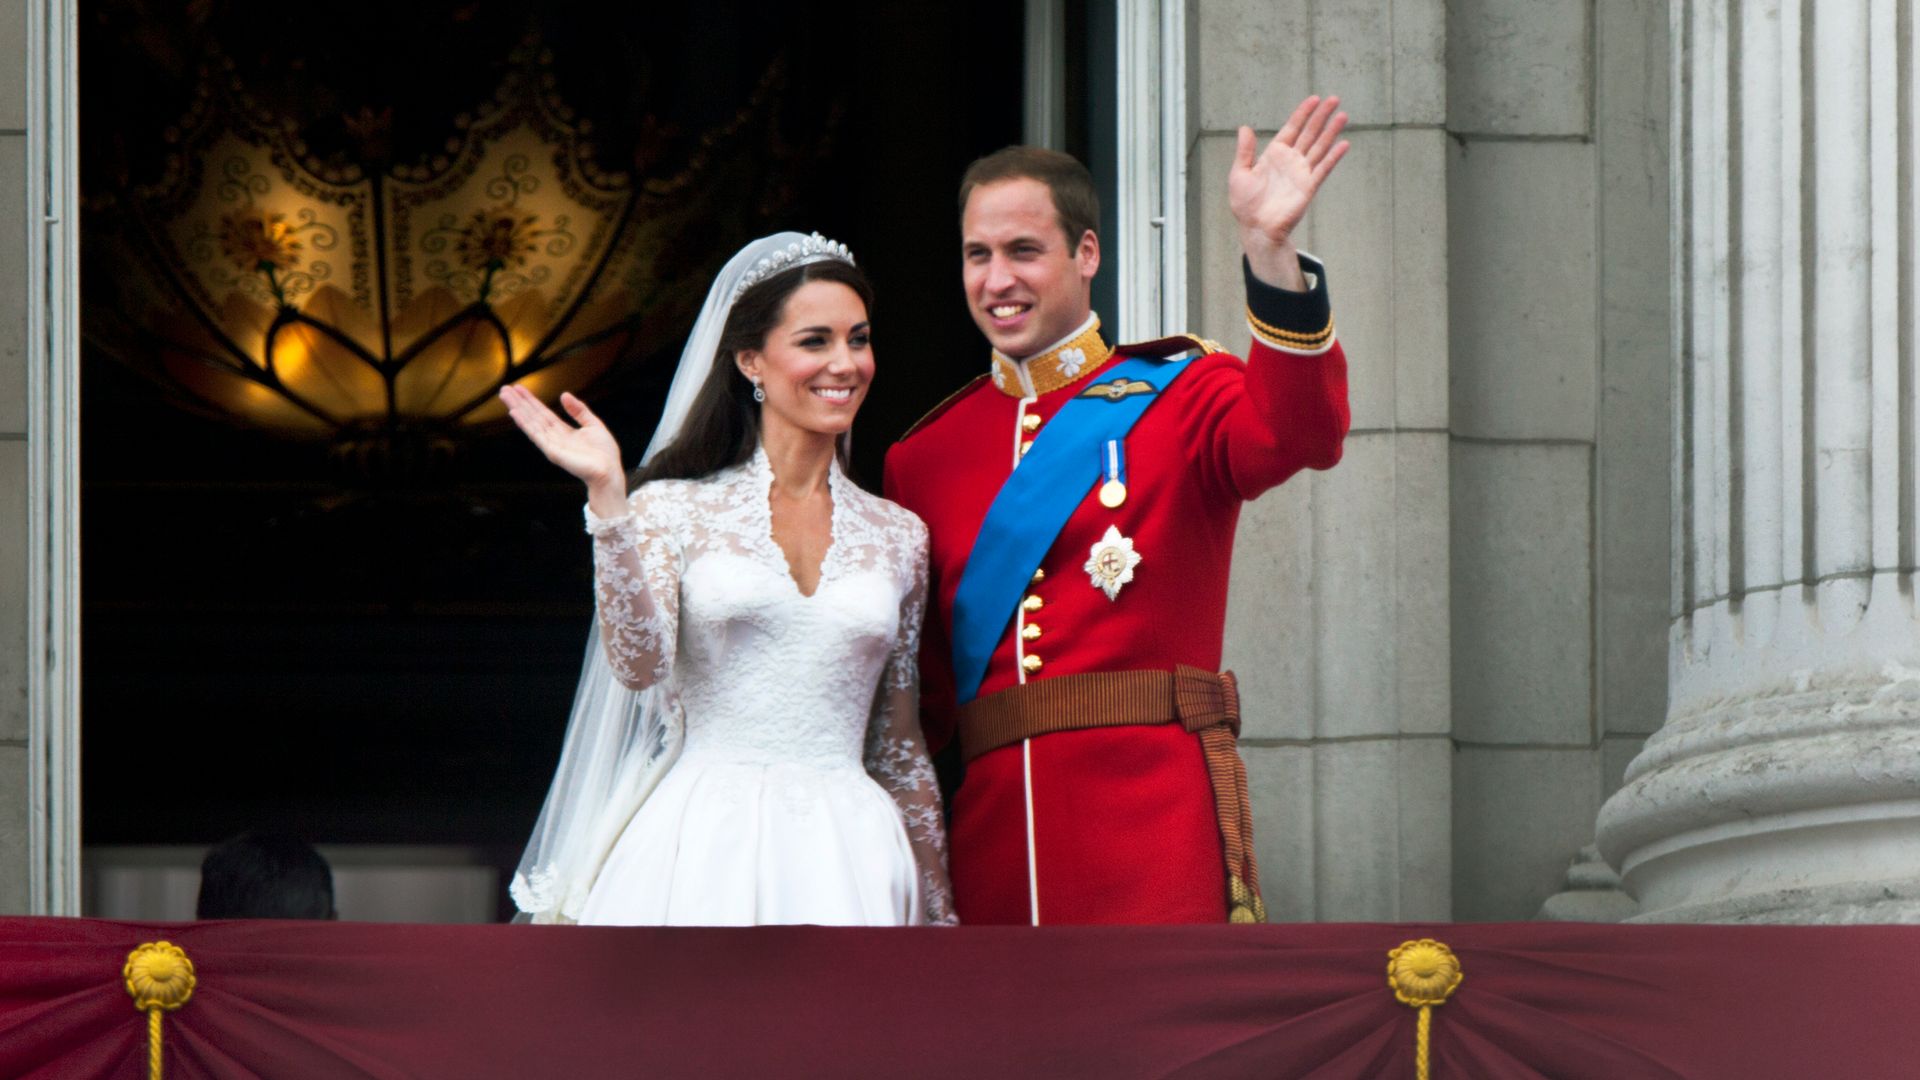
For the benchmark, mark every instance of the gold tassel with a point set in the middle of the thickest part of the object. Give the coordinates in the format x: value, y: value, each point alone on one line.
x: 1423, y: 974
x: 160, y: 979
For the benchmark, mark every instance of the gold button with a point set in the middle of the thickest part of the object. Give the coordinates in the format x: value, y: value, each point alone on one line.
x: 1032, y: 603
x: 1030, y: 423
x: 1030, y: 663
x: 1039, y: 576
x: 1030, y: 632
x: 1026, y: 446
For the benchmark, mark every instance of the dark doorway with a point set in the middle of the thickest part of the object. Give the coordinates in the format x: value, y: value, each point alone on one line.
x: 280, y: 636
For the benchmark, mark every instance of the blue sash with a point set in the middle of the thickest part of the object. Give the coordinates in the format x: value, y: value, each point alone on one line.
x: 1053, y: 479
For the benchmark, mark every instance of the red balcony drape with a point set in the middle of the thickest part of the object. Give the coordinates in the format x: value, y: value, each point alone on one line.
x: 290, y: 1000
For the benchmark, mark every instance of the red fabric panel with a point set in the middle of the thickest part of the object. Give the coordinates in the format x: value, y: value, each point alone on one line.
x: 293, y: 1000
x: 1124, y: 830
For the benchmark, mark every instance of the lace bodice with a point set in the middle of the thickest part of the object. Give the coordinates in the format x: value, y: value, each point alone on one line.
x: 694, y: 593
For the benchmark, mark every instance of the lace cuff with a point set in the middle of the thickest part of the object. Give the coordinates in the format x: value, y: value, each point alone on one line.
x: 598, y: 526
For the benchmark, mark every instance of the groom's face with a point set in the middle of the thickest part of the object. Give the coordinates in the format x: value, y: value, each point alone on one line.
x: 1027, y: 286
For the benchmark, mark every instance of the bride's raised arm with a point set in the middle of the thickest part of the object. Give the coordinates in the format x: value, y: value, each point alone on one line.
x: 636, y: 562
x: 896, y: 755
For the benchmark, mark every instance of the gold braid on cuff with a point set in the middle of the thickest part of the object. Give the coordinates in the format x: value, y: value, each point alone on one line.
x: 1289, y: 338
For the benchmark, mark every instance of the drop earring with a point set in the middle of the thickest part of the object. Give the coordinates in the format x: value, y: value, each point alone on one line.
x: 758, y: 394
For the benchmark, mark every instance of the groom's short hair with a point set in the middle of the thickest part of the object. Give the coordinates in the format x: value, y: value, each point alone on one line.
x: 1074, y: 199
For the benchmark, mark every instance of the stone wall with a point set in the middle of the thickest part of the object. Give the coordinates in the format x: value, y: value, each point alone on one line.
x: 14, y: 854
x: 1338, y: 621
x: 1452, y: 644
x: 1556, y: 180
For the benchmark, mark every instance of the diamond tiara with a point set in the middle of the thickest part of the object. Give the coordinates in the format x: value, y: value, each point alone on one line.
x: 815, y: 248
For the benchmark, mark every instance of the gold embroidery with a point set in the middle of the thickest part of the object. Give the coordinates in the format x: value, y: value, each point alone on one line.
x: 1290, y: 339
x: 1118, y: 389
x: 1055, y: 368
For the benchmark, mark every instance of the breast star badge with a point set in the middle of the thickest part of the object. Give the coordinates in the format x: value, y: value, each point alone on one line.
x: 1112, y: 563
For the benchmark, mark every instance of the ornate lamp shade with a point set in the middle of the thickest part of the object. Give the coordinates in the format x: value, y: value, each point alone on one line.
x: 383, y: 305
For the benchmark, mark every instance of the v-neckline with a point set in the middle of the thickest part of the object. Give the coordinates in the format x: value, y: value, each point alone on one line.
x: 763, y: 473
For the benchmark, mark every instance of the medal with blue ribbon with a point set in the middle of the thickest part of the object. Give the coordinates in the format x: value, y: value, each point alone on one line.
x: 1114, y: 491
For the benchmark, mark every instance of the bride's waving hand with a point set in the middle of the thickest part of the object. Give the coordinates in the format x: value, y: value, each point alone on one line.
x: 588, y: 452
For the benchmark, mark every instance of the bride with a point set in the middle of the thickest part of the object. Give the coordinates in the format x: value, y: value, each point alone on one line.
x: 745, y: 746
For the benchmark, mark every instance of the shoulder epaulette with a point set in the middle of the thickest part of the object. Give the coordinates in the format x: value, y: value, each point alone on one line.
x: 1171, y: 346
x: 945, y: 404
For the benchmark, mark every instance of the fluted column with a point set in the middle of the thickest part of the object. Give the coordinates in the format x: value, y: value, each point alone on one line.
x: 1785, y: 784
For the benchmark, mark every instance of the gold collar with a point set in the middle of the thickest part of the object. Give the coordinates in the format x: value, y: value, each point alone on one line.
x: 1057, y: 367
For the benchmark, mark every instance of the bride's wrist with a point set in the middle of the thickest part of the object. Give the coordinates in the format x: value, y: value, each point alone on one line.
x: 607, y: 497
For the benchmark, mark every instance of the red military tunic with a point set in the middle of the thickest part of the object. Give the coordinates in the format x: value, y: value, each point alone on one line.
x: 1112, y: 824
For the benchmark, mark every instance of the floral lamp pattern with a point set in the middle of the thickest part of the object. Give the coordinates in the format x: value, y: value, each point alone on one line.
x: 353, y: 301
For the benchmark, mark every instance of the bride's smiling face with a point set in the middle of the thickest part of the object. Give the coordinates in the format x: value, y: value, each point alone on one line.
x: 817, y: 361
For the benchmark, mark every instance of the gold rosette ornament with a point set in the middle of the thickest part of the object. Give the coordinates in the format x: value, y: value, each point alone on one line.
x: 160, y: 979
x: 1423, y: 974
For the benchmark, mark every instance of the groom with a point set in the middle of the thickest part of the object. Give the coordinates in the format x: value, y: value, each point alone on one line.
x: 1082, y: 500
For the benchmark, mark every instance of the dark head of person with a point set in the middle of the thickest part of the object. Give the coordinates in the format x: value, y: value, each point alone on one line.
x: 723, y: 426
x: 259, y: 875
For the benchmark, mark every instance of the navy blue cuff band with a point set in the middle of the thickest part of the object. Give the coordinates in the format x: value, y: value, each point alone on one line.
x: 1294, y: 312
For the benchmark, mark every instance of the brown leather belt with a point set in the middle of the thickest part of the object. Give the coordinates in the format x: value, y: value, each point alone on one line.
x: 1204, y: 702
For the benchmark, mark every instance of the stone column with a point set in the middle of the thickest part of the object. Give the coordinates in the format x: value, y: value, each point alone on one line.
x: 1785, y: 783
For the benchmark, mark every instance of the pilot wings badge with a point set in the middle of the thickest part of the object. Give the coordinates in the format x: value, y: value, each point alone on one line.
x: 1119, y: 389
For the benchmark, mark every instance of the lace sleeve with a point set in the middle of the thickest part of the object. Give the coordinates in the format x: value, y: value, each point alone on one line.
x: 896, y: 754
x: 636, y: 587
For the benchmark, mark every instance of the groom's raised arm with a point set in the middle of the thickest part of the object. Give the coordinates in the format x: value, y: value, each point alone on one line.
x: 1286, y: 410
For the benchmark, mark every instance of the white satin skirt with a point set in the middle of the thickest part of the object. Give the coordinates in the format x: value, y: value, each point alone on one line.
x: 730, y: 843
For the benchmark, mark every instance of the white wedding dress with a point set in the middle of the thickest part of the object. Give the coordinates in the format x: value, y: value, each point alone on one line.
x: 801, y: 790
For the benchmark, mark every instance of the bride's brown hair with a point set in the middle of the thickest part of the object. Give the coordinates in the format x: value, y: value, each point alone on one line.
x: 723, y: 426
